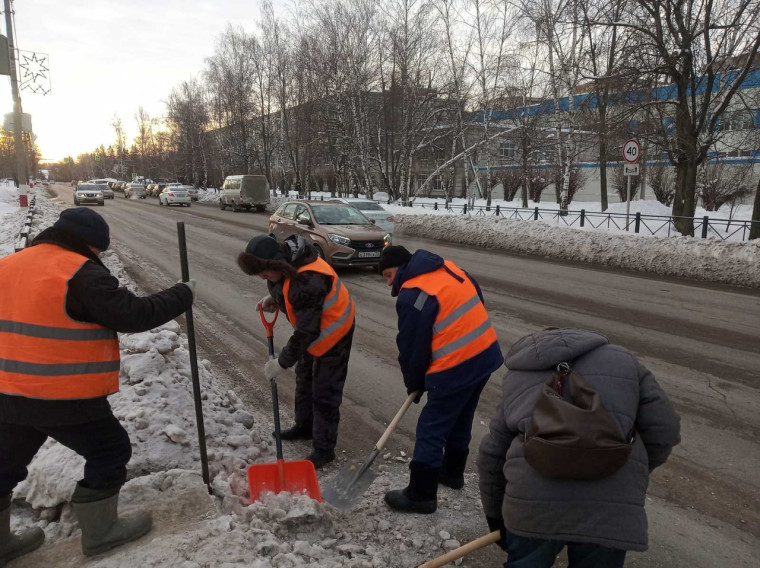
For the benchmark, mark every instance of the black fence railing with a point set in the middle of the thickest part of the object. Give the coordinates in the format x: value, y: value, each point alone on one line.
x: 659, y: 225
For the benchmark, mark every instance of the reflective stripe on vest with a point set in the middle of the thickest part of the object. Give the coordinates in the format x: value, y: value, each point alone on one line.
x: 461, y: 329
x: 43, y: 352
x: 337, y: 309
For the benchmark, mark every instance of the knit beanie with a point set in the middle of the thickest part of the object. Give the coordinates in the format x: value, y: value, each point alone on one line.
x: 263, y: 253
x: 393, y: 256
x: 85, y: 224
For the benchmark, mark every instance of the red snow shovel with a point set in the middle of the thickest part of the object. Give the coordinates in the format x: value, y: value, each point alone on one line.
x: 296, y: 477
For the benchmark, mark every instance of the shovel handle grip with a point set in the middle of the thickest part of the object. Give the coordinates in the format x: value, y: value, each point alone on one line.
x: 396, y: 419
x: 463, y: 550
x: 268, y: 325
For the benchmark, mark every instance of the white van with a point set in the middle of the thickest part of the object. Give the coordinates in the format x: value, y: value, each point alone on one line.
x: 244, y: 192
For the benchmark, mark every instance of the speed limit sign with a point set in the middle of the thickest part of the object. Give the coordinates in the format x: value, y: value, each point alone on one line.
x: 631, y: 151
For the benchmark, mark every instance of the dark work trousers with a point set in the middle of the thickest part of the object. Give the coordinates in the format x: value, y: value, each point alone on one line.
x: 523, y: 552
x: 319, y: 392
x: 104, y: 444
x: 445, y: 422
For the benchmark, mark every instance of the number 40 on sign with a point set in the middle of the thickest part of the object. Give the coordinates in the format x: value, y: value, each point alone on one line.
x: 631, y: 151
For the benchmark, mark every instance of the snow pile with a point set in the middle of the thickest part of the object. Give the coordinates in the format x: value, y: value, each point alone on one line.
x: 11, y: 218
x: 210, y: 194
x: 736, y: 263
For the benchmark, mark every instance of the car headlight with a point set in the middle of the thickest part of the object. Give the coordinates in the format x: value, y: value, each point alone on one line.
x: 98, y: 195
x: 387, y: 239
x: 340, y: 239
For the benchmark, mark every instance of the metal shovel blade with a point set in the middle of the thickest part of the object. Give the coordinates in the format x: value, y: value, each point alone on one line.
x: 348, y: 486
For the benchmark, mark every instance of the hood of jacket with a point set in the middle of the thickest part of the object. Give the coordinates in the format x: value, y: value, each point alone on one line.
x: 422, y: 261
x: 546, y: 349
x: 302, y: 252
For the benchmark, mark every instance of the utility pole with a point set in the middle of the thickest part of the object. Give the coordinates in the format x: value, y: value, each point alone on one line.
x: 21, y: 177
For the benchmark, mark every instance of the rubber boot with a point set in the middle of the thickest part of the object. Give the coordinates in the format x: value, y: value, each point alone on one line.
x: 421, y: 495
x: 295, y: 433
x: 102, y: 529
x: 320, y: 457
x: 452, y: 472
x: 15, y: 545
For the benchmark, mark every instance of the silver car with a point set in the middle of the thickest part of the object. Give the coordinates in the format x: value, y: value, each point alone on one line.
x: 88, y: 193
x: 174, y: 195
x: 372, y: 210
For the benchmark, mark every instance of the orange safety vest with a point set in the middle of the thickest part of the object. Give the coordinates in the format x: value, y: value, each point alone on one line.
x: 462, y: 329
x: 43, y: 352
x: 337, y: 309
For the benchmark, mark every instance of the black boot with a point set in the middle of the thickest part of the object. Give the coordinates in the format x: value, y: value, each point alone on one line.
x: 452, y: 472
x: 320, y: 457
x: 295, y: 433
x: 421, y: 495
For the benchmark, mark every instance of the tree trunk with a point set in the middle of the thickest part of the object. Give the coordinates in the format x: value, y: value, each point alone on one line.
x: 603, y: 172
x: 754, y: 232
x: 684, y: 202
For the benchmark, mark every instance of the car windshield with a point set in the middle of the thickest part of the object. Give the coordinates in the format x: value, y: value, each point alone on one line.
x: 338, y: 215
x: 366, y: 206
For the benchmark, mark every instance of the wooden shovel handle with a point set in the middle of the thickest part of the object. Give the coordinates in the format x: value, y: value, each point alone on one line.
x: 463, y: 550
x: 396, y: 419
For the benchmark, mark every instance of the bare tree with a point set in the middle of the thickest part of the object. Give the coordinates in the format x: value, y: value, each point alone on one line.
x: 696, y: 46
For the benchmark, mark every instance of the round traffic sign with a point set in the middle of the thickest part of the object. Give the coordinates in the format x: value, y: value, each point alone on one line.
x: 631, y: 151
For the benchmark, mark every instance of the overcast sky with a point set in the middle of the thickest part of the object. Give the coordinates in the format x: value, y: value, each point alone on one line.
x: 108, y: 57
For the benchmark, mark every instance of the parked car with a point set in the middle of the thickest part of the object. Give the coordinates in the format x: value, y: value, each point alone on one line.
x: 174, y: 195
x: 342, y: 235
x: 135, y: 189
x: 244, y: 192
x: 89, y: 193
x: 192, y: 192
x: 372, y: 210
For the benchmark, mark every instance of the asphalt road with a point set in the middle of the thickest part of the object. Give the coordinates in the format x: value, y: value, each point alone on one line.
x: 701, y: 342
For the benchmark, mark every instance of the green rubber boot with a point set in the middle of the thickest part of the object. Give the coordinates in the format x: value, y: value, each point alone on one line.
x: 102, y: 529
x: 15, y: 545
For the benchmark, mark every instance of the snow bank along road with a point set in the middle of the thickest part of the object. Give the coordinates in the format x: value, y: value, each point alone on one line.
x: 700, y: 340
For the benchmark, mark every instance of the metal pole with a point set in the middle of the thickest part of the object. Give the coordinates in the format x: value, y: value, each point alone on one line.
x: 193, y: 359
x: 21, y: 178
x: 627, y: 202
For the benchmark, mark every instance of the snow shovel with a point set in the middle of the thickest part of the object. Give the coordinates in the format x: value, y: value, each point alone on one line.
x: 295, y: 477
x: 463, y: 550
x: 351, y: 483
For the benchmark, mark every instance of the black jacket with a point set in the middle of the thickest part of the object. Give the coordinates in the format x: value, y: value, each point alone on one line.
x: 308, y: 291
x: 94, y: 296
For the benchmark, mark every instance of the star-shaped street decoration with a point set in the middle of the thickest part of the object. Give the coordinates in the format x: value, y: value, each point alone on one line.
x: 34, y: 72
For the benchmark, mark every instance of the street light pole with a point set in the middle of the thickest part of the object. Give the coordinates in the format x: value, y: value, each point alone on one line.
x: 21, y: 178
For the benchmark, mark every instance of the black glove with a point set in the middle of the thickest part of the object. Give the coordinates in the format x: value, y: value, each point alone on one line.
x: 419, y: 394
x: 498, y: 525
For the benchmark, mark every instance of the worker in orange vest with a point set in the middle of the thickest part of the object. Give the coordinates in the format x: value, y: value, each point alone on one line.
x: 60, y: 310
x: 448, y: 348
x: 321, y: 311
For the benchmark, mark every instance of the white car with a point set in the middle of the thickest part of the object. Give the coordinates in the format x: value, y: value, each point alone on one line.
x: 372, y: 210
x: 174, y: 195
x: 192, y: 192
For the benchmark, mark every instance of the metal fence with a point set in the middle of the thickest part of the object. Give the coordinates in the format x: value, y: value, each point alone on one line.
x: 22, y: 241
x: 659, y: 225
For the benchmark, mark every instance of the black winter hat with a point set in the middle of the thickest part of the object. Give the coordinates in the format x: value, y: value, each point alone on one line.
x: 263, y: 253
x: 392, y: 257
x: 86, y: 224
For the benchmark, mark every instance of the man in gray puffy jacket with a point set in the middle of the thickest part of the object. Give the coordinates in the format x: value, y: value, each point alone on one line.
x: 598, y: 520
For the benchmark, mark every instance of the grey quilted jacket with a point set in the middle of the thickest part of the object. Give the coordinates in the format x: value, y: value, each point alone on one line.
x: 608, y: 511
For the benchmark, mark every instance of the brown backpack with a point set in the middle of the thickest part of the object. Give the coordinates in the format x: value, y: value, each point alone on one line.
x: 573, y: 437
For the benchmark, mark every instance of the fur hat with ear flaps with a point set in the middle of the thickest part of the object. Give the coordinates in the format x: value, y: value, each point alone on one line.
x: 263, y: 253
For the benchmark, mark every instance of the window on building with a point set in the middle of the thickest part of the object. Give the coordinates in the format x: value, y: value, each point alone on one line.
x: 437, y: 183
x: 507, y: 150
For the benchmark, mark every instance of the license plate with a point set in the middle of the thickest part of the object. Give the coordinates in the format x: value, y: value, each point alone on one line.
x: 373, y: 254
